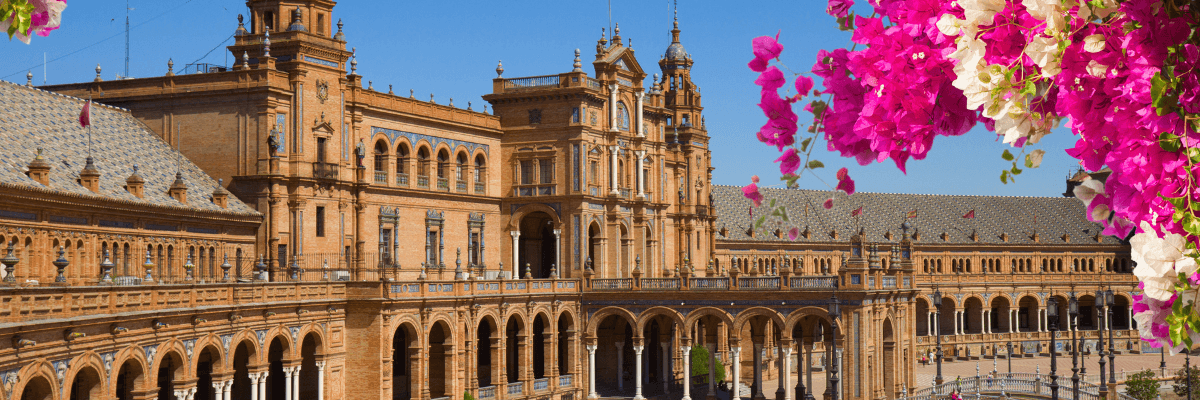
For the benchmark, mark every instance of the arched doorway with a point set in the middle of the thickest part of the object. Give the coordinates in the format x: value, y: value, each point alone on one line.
x: 441, y: 360
x: 537, y: 250
x: 614, y: 357
x: 809, y: 335
x: 205, y: 362
x: 1028, y: 315
x: 170, y: 369
x: 310, y: 350
x: 889, y: 360
x: 946, y: 320
x: 276, y: 380
x: 86, y: 385
x: 242, y: 355
x: 594, y: 244
x: 406, y: 353
x: 922, y: 317
x: 541, y: 353
x: 487, y: 341
x: 129, y: 379
x: 973, y: 320
x: 566, y: 353
x: 1000, y: 315
x: 514, y: 345
x: 38, y: 388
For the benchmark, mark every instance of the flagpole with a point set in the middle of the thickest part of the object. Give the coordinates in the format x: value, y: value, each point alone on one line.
x: 89, y: 125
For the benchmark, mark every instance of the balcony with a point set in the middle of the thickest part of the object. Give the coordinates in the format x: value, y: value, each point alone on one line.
x: 322, y: 170
x: 532, y: 82
x: 402, y: 180
x: 480, y: 188
x: 381, y: 177
x: 443, y: 184
x: 516, y: 388
x: 423, y: 181
x: 460, y: 186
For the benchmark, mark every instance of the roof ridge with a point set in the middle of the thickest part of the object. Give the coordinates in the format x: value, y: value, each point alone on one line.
x: 63, y: 95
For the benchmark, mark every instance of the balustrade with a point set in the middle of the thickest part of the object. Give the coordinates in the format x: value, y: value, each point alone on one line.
x: 531, y: 82
x: 487, y: 392
x: 823, y: 282
x: 443, y: 184
x: 541, y: 384
x: 660, y: 283
x: 323, y: 170
x: 710, y: 283
x: 423, y: 181
x: 381, y: 177
x: 402, y: 179
x: 516, y: 388
x: 759, y: 283
x: 565, y: 380
x: 612, y: 284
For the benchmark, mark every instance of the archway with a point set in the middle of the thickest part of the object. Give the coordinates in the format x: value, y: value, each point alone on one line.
x: 86, y: 385
x: 614, y: 357
x: 923, y: 317
x: 441, y: 360
x: 973, y: 320
x: 889, y: 360
x: 488, y: 343
x: 129, y: 379
x: 946, y: 325
x: 1120, y: 313
x: 756, y: 336
x: 1028, y: 315
x: 566, y: 335
x: 541, y: 354
x: 1064, y: 318
x: 406, y: 356
x: 170, y: 369
x: 1000, y: 316
x: 310, y: 351
x: 242, y: 354
x: 1088, y: 315
x: 514, y: 346
x: 208, y: 358
x: 276, y: 381
x: 38, y: 388
x: 537, y: 244
x: 809, y: 335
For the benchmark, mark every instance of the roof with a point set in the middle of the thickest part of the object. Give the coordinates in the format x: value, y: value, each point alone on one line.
x: 1018, y: 217
x: 33, y: 118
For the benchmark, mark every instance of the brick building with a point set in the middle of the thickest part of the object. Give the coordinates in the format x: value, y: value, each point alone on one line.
x: 386, y: 247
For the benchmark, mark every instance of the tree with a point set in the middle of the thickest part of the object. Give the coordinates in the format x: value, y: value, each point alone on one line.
x: 1142, y: 385
x: 700, y: 364
x: 1181, y: 382
x: 467, y: 395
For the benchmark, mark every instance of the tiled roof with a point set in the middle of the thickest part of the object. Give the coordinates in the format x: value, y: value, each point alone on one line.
x: 33, y: 118
x: 936, y: 214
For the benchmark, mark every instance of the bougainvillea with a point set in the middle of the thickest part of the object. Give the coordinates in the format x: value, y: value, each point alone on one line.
x: 24, y: 18
x: 1122, y: 76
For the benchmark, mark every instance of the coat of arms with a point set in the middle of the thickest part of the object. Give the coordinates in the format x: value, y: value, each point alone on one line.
x: 322, y: 91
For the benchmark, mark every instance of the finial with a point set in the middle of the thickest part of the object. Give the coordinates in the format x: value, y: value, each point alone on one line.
x: 451, y: 102
x: 170, y: 66
x: 241, y: 29
x: 617, y: 31
x: 246, y: 60
x: 468, y: 106
x: 339, y: 35
x: 631, y: 43
x: 98, y: 73
x: 410, y: 94
x: 431, y: 97
x: 267, y: 43
x: 499, y: 68
x: 485, y: 108
x: 353, y: 60
x: 29, y: 79
x: 370, y: 85
x: 578, y: 66
x: 390, y: 89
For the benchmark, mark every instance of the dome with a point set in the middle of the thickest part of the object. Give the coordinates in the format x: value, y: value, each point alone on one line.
x: 676, y: 52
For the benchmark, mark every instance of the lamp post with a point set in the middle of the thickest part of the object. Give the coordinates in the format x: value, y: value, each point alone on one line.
x: 1052, y: 321
x: 834, y: 312
x: 1008, y: 356
x: 1072, y: 312
x: 1112, y: 350
x: 937, y: 319
x: 1100, y: 343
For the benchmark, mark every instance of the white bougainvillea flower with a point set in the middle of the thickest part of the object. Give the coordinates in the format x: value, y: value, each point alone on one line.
x: 1087, y: 190
x: 981, y: 12
x: 1159, y: 260
x: 1046, y: 10
x: 1096, y: 69
x: 1045, y: 53
x: 1093, y: 43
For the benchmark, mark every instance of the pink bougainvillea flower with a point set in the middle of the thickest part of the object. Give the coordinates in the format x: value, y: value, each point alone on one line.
x: 765, y: 49
x: 828, y: 204
x: 793, y: 233
x: 839, y: 8
x: 789, y: 162
x: 803, y: 85
x: 771, y: 79
x: 751, y: 192
x: 845, y: 184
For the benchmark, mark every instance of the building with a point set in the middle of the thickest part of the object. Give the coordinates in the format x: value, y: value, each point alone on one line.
x: 572, y: 242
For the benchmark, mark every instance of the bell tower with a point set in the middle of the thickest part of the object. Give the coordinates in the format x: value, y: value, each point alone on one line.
x: 681, y: 95
x: 283, y: 16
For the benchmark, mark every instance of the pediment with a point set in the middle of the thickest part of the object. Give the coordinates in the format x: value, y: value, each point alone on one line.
x: 623, y: 59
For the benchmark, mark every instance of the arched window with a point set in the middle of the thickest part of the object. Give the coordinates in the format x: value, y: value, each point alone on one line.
x: 443, y: 159
x: 480, y: 165
x: 423, y: 162
x: 461, y: 174
x: 402, y: 158
x: 380, y: 156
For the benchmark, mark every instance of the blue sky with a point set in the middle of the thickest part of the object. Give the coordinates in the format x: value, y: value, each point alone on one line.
x: 451, y: 49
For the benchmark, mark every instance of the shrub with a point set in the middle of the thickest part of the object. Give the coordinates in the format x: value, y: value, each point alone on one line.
x: 1142, y: 385
x: 700, y: 364
x: 467, y: 395
x: 1181, y: 382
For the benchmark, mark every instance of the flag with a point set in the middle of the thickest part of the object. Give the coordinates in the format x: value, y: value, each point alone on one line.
x: 857, y: 212
x: 970, y: 214
x: 85, y: 115
x: 912, y: 214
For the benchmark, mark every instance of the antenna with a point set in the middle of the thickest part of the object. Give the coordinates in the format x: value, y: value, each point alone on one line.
x: 127, y: 38
x: 610, y: 15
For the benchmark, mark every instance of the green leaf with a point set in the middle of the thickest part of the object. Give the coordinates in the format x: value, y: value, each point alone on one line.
x: 1004, y: 176
x: 1007, y: 156
x: 1168, y: 141
x: 1029, y: 89
x: 1157, y: 86
x: 804, y: 144
x: 1178, y: 202
x: 771, y: 203
x: 814, y: 164
x: 1191, y: 224
x: 759, y: 222
x: 1193, y: 155
x: 1015, y: 170
x: 780, y: 212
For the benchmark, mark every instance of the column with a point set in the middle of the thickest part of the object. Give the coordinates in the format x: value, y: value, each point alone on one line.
x: 591, y: 349
x: 612, y: 151
x: 637, y: 351
x: 1012, y: 320
x: 253, y: 386
x: 757, y: 358
x: 929, y: 321
x: 785, y: 372
x: 228, y: 390
x: 687, y: 372
x: 957, y: 319
x: 612, y: 107
x: 641, y: 154
x: 287, y: 383
x: 1129, y: 314
x: 638, y: 129
x: 666, y: 355
x: 296, y: 382
x: 262, y: 384
x: 516, y: 235
x: 558, y: 254
x: 987, y: 321
x: 218, y: 393
x: 808, y: 348
x: 737, y: 372
x: 712, y: 371
x: 620, y: 366
x: 320, y: 380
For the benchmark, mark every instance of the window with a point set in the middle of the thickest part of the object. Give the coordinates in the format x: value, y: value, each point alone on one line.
x: 402, y: 159
x: 547, y: 172
x: 423, y: 162
x: 380, y: 156
x: 269, y: 20
x: 535, y: 116
x: 575, y: 115
x: 321, y: 150
x: 320, y: 222
x: 594, y: 169
x: 385, y: 245
x: 321, y: 23
x: 443, y: 159
x: 479, y: 166
x: 473, y: 252
x: 431, y: 244
x: 462, y: 167
x: 526, y: 172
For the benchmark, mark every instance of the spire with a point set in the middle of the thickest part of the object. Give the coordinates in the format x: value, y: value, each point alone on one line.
x: 296, y: 26
x: 29, y: 76
x: 89, y: 177
x: 267, y: 43
x: 578, y: 66
x: 170, y: 67
x: 241, y: 29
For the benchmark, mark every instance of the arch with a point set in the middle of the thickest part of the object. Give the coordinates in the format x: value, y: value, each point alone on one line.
x: 514, y: 222
x: 889, y: 360
x: 999, y: 316
x: 538, y: 253
x: 644, y: 317
x: 973, y: 311
x: 403, y: 152
x: 540, y: 337
x: 1029, y: 314
x: 695, y: 315
x: 406, y: 350
x: 214, y: 342
x: 278, y: 348
x: 795, y: 318
x: 38, y: 385
x: 566, y: 352
x: 208, y: 362
x: 922, y: 316
x: 744, y: 316
x: 488, y: 338
x: 130, y: 376
x: 597, y: 317
x: 86, y: 381
x: 439, y: 345
x: 245, y: 355
x: 514, y: 331
x: 169, y: 368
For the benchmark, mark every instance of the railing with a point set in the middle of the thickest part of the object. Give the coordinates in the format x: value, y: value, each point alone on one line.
x: 594, y: 84
x: 441, y: 398
x: 1005, y: 386
x: 759, y: 283
x: 516, y: 388
x: 889, y: 282
x: 487, y: 392
x: 323, y: 170
x: 624, y: 193
x: 565, y: 380
x: 480, y: 188
x: 612, y: 284
x: 443, y: 184
x: 660, y: 283
x: 541, y: 384
x: 460, y: 186
x: 709, y: 284
x: 381, y: 177
x: 402, y: 179
x: 423, y: 181
x: 824, y: 282
x: 531, y: 82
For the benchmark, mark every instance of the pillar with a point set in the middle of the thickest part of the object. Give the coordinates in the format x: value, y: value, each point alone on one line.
x: 929, y: 322
x: 320, y: 380
x: 612, y: 107
x: 735, y: 352
x: 637, y: 377
x: 666, y: 355
x: 262, y: 384
x: 289, y: 374
x: 641, y: 154
x: 757, y: 358
x: 612, y: 151
x: 558, y: 255
x: 516, y: 236
x: 687, y: 372
x: 785, y: 372
x: 218, y: 390
x: 253, y: 386
x: 296, y: 383
x: 228, y: 390
x: 591, y: 349
x: 620, y: 366
x: 987, y: 321
x: 712, y: 371
x: 638, y: 129
x: 808, y: 348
